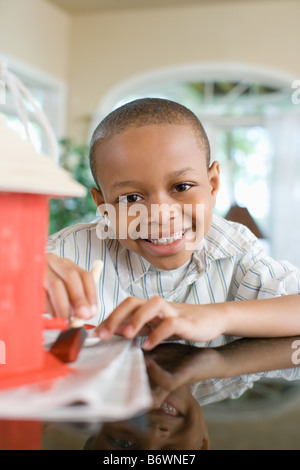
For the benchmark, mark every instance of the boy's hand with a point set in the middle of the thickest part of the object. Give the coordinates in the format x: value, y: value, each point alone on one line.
x: 161, y: 320
x: 71, y: 291
x: 172, y: 365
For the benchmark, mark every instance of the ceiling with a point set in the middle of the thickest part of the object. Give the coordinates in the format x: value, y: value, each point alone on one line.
x: 82, y: 6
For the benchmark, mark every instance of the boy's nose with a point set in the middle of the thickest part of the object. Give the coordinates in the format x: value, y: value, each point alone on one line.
x: 161, y: 216
x: 157, y: 437
x: 162, y: 208
x: 162, y: 213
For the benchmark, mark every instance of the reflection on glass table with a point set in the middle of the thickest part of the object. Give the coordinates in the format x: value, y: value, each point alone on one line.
x: 185, y: 381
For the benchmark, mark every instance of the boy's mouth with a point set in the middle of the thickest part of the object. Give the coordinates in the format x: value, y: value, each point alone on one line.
x: 163, y: 245
x: 169, y: 408
x: 166, y: 240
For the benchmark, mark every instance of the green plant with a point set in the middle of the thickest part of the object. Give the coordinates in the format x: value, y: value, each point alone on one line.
x: 65, y: 212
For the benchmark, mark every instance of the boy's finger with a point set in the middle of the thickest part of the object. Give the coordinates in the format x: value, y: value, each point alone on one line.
x: 121, y: 315
x: 90, y: 290
x: 158, y: 375
x: 49, y: 307
x: 77, y: 295
x: 57, y: 297
x: 167, y: 328
x: 78, y: 289
x: 155, y: 310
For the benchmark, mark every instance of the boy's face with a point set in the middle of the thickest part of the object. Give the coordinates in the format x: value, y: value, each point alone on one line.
x: 184, y: 429
x: 156, y: 179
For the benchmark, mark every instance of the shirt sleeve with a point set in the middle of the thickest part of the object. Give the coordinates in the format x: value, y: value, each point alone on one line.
x: 52, y: 245
x: 261, y: 277
x: 64, y: 244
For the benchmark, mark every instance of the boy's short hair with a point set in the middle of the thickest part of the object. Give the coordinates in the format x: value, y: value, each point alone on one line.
x: 144, y: 112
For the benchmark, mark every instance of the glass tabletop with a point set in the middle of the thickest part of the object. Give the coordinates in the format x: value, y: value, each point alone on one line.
x: 243, y: 395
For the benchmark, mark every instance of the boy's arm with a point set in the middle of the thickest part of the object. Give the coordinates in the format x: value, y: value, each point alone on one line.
x: 71, y: 291
x: 160, y: 320
x: 241, y: 357
x: 276, y: 317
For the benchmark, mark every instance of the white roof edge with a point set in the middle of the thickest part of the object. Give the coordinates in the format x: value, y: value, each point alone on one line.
x: 23, y: 170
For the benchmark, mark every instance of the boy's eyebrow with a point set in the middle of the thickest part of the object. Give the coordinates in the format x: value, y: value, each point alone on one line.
x: 181, y: 172
x: 174, y: 174
x: 120, y: 184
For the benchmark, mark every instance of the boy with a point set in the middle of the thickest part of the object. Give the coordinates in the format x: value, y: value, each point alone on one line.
x: 179, y: 272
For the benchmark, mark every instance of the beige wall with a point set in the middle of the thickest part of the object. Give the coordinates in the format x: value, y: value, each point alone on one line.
x: 111, y: 46
x: 34, y: 32
x: 93, y: 52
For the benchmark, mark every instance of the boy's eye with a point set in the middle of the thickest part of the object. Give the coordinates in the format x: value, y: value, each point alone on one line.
x: 120, y: 443
x: 182, y: 187
x: 129, y: 198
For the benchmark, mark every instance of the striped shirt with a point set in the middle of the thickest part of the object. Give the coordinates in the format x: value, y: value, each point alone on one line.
x: 214, y: 390
x: 231, y: 265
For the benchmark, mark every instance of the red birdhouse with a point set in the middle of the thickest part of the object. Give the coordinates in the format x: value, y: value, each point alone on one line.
x: 27, y: 181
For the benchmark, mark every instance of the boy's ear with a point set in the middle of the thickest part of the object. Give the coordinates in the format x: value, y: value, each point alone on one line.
x: 97, y: 196
x: 214, y: 180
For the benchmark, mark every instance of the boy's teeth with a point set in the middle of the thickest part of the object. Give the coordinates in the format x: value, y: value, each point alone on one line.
x: 168, y: 409
x: 166, y: 241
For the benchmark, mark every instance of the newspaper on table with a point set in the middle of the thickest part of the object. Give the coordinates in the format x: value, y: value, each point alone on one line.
x: 109, y: 383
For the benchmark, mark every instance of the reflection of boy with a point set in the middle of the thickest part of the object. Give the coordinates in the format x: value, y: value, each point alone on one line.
x: 177, y: 424
x: 176, y: 420
x: 155, y: 151
x: 183, y: 379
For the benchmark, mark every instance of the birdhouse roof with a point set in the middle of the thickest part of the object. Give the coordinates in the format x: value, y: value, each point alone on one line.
x: 23, y: 170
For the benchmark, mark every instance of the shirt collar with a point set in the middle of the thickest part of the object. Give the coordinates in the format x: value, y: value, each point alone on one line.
x: 224, y: 240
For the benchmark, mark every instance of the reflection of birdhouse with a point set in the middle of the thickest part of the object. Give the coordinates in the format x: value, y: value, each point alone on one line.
x: 27, y: 180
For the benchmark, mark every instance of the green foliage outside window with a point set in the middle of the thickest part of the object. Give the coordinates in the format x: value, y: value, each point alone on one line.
x: 65, y: 212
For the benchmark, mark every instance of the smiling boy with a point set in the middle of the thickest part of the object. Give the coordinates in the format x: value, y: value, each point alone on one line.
x: 183, y: 273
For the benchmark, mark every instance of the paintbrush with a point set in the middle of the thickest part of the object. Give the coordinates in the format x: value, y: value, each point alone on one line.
x: 69, y: 342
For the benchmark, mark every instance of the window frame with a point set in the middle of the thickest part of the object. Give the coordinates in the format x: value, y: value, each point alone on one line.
x: 54, y: 89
